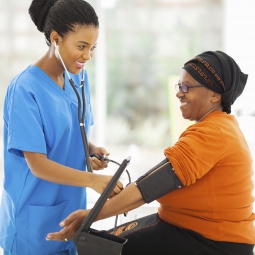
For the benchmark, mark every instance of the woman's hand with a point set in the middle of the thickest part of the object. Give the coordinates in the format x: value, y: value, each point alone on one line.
x: 70, y: 226
x: 129, y: 199
x: 96, y: 163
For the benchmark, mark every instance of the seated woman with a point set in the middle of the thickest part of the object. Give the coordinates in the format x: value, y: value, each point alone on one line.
x: 204, y: 186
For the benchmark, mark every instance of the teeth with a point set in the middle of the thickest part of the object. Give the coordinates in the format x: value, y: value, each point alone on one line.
x: 79, y: 63
x: 183, y: 103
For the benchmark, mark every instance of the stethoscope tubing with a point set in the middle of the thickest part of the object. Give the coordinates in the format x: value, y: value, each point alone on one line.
x: 81, y: 117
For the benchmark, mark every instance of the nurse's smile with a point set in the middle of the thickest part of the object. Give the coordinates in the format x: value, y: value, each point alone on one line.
x: 79, y: 64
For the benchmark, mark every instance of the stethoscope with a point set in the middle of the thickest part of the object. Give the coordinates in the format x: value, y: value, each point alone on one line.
x: 81, y: 118
x: 81, y: 108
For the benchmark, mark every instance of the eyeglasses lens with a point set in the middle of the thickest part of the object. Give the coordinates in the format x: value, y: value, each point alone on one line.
x: 183, y: 88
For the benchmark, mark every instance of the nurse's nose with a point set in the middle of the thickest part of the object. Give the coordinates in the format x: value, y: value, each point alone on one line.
x: 87, y: 55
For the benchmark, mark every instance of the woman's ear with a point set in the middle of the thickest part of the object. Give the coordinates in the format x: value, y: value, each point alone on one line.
x: 216, y: 97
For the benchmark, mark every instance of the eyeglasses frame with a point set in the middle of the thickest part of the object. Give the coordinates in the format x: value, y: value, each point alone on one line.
x: 180, y: 87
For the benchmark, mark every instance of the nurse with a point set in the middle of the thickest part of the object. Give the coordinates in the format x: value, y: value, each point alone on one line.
x: 44, y: 162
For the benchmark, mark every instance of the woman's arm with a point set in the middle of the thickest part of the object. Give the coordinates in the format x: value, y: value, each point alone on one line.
x: 129, y: 199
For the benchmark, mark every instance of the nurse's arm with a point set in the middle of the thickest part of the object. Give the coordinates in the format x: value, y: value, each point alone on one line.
x: 129, y: 199
x: 48, y: 170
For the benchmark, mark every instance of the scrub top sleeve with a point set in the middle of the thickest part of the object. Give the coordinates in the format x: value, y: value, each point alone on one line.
x: 23, y: 122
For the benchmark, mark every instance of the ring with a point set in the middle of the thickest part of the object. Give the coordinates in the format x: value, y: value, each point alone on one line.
x: 66, y: 239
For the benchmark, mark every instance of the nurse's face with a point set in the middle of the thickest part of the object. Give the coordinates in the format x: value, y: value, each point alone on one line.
x: 198, y: 101
x: 77, y: 47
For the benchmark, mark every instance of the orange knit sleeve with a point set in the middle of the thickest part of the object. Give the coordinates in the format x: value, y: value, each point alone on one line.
x: 196, y: 152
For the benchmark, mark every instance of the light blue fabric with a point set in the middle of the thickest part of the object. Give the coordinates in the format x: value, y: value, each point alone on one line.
x: 40, y: 117
x: 65, y: 252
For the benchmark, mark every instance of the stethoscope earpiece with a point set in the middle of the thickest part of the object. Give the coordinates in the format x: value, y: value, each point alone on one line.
x: 55, y: 44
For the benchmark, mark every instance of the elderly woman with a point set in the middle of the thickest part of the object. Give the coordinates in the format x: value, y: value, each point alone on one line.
x: 204, y: 186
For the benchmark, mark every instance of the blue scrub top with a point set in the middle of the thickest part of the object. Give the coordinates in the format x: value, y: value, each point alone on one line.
x: 40, y: 117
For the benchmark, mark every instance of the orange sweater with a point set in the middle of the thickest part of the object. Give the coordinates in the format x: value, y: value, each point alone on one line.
x: 213, y: 161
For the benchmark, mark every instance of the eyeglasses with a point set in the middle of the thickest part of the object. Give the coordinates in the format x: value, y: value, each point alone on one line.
x: 184, y: 88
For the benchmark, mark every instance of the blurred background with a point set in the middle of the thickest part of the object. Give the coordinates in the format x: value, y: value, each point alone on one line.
x: 141, y: 50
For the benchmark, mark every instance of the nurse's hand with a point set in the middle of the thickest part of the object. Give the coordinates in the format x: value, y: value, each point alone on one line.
x: 70, y: 226
x: 97, y: 164
x: 100, y: 182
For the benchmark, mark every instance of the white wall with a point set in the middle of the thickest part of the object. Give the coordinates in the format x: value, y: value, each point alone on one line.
x: 239, y: 37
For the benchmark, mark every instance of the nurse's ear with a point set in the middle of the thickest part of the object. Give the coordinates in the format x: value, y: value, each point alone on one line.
x: 55, y: 38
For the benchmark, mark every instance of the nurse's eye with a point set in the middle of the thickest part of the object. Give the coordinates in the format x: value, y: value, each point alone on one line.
x: 94, y: 47
x: 81, y: 47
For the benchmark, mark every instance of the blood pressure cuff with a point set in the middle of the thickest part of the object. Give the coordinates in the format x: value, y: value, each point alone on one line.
x: 158, y: 181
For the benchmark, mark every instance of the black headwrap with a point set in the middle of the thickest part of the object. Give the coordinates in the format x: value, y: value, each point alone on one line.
x: 220, y: 73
